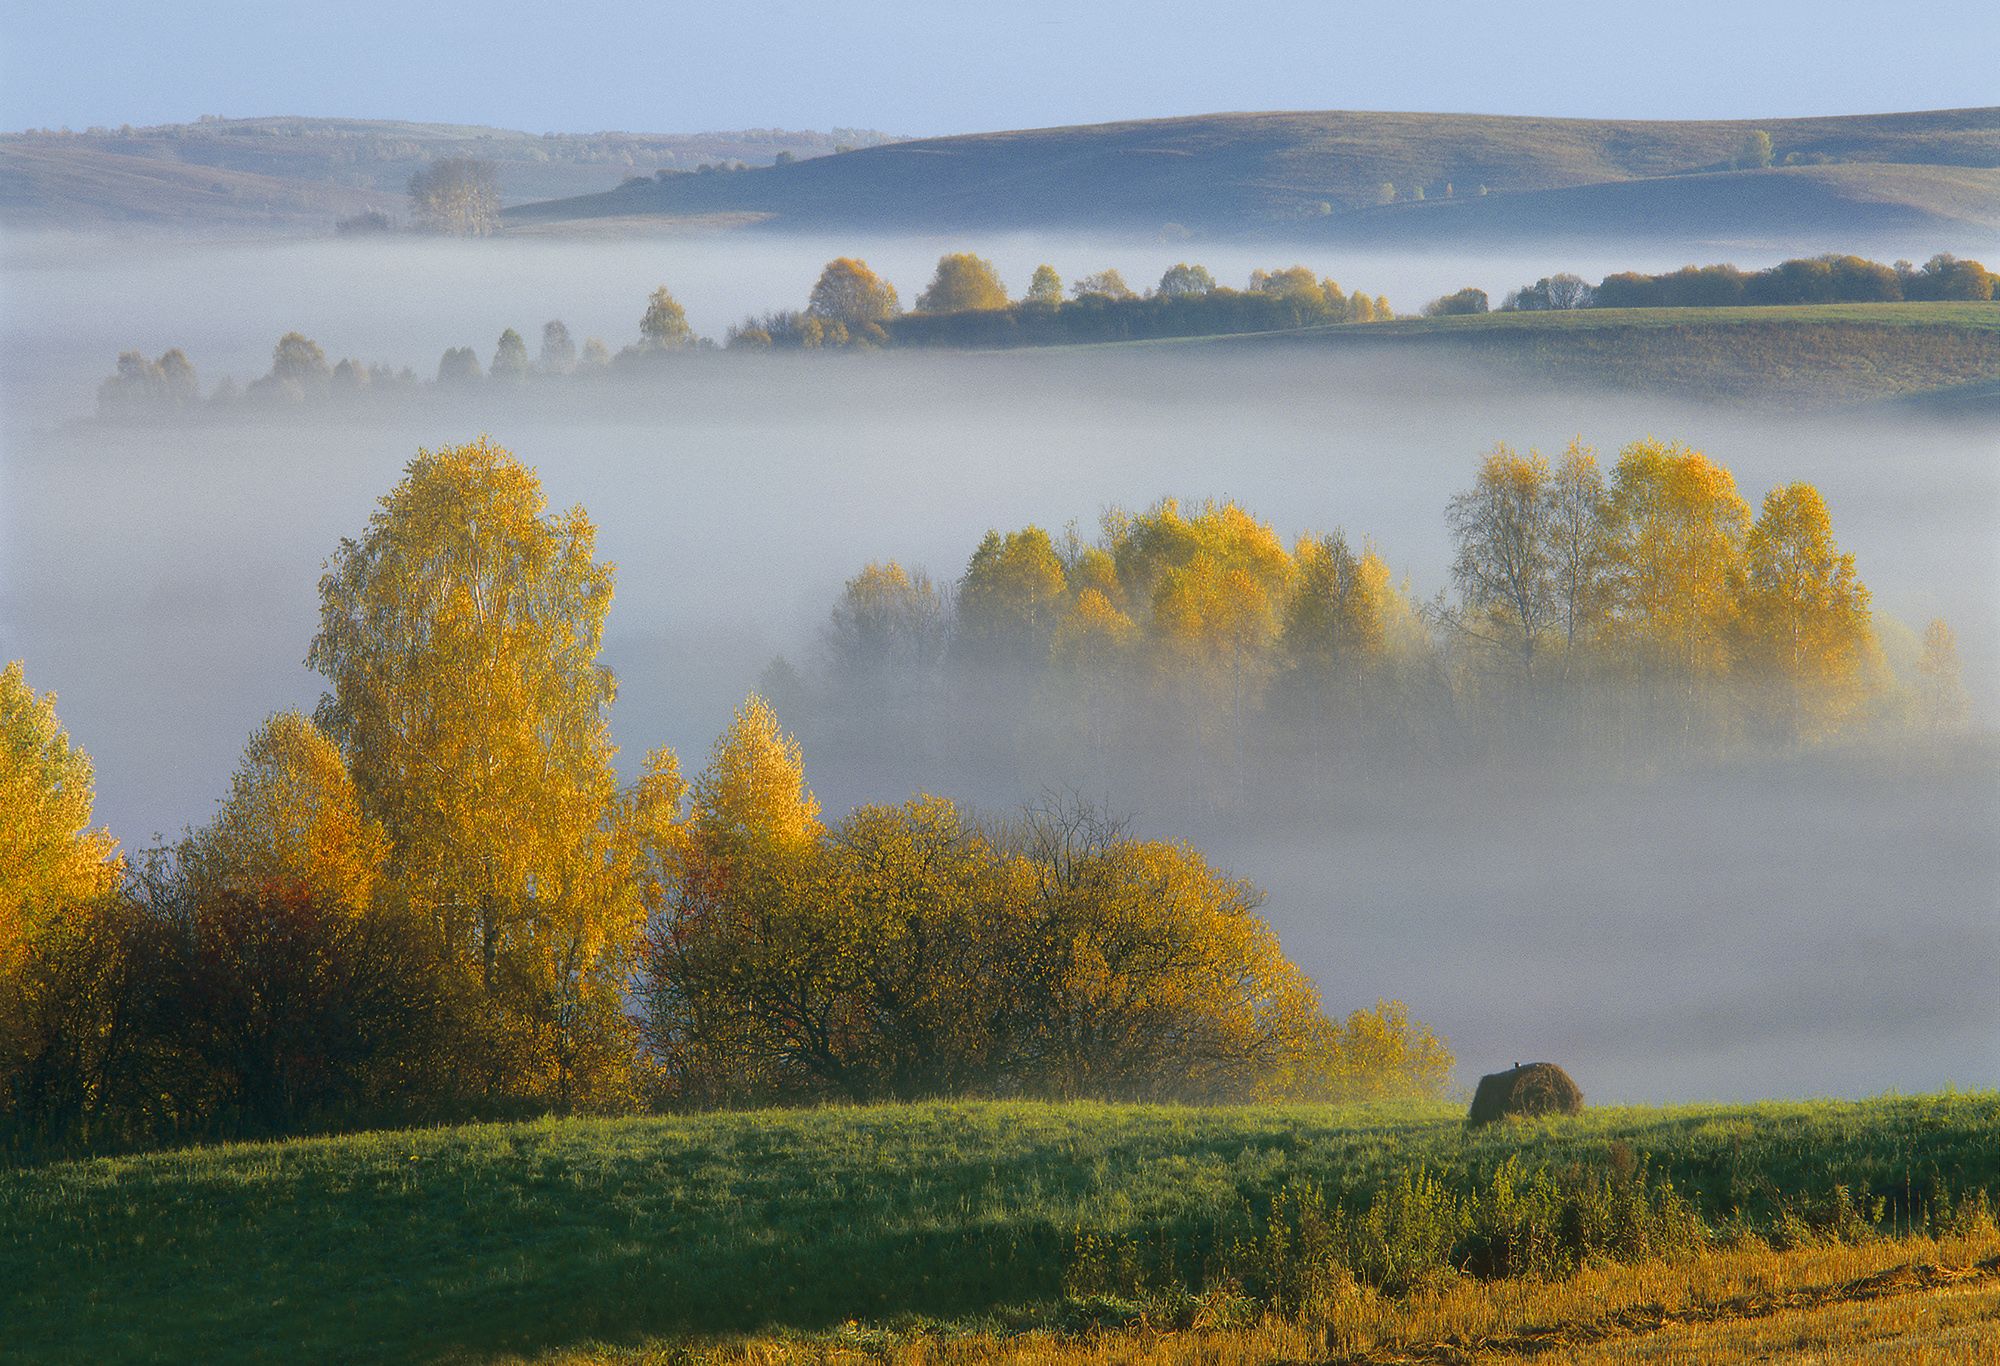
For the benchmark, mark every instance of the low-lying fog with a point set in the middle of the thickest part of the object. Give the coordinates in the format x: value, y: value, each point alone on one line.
x: 71, y: 305
x: 1823, y: 926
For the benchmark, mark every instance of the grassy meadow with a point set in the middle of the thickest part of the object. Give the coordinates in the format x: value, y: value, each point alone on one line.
x: 1789, y: 356
x: 905, y: 1225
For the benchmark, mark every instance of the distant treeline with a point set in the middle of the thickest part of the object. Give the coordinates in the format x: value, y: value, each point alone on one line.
x: 850, y: 308
x: 966, y: 305
x: 1830, y: 279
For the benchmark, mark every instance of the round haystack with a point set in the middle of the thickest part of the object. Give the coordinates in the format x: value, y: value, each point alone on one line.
x: 1536, y: 1088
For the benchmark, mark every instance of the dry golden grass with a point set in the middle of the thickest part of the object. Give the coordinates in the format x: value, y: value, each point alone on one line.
x: 1900, y: 1300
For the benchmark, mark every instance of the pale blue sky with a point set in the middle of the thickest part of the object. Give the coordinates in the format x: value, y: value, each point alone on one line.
x: 928, y: 66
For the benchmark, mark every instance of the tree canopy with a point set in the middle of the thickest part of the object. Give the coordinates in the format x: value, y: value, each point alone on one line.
x: 51, y: 857
x: 963, y: 283
x: 849, y: 293
x: 459, y: 635
x: 664, y: 326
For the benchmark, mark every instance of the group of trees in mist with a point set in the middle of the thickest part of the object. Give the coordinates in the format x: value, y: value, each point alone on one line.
x: 967, y: 304
x: 434, y: 898
x: 1829, y: 279
x: 300, y: 373
x: 1641, y: 617
x: 850, y: 308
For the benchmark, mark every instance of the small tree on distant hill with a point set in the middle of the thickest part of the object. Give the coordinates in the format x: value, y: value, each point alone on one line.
x: 1186, y: 281
x: 1105, y: 284
x: 1755, y: 153
x: 1045, y: 290
x: 458, y: 365
x: 1467, y: 300
x: 456, y: 195
x: 848, y: 292
x: 963, y: 283
x: 558, y: 349
x: 510, y: 359
x: 665, y: 325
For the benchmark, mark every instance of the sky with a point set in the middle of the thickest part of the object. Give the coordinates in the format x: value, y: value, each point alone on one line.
x: 922, y: 67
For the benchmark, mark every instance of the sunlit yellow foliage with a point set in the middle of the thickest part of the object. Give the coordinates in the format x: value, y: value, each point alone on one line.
x: 1213, y: 583
x: 742, y: 958
x: 1805, y: 620
x: 50, y: 857
x: 922, y: 901
x: 1093, y: 638
x: 962, y: 282
x: 1011, y: 595
x: 849, y: 293
x: 1335, y: 626
x: 1295, y: 280
x: 1163, y: 981
x: 1146, y: 546
x: 1381, y: 1051
x: 1677, y: 527
x: 911, y: 952
x: 293, y: 821
x: 1094, y: 567
x: 754, y: 789
x: 460, y: 635
x: 1045, y: 288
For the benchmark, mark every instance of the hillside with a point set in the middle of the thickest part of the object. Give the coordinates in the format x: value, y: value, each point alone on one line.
x: 301, y: 173
x: 1833, y: 206
x: 475, y: 1242
x: 1236, y: 174
x: 1796, y: 357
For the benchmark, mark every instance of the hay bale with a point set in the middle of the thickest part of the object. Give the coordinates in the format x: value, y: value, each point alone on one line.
x: 1536, y: 1088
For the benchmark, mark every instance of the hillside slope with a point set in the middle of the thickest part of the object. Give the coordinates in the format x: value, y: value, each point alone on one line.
x: 1247, y: 173
x: 1839, y: 207
x: 1800, y: 357
x: 304, y: 172
x: 467, y: 1243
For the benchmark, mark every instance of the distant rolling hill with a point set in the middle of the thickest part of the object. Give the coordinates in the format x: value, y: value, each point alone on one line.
x: 300, y: 174
x: 1840, y: 206
x: 1370, y: 176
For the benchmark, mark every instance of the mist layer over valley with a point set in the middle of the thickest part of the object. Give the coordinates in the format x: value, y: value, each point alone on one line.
x: 73, y: 302
x: 1763, y: 926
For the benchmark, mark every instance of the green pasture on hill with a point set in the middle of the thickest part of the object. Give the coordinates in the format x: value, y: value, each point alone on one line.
x: 1788, y: 356
x: 467, y: 1242
x: 1953, y: 316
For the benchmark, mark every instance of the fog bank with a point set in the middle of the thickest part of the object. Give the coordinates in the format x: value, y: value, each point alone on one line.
x: 1825, y: 925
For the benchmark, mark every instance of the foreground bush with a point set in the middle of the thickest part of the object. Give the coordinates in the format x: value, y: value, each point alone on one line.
x: 912, y: 952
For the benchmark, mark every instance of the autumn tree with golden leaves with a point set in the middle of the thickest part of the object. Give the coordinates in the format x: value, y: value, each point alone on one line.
x: 51, y: 857
x: 460, y: 635
x: 963, y: 283
x: 1806, y: 637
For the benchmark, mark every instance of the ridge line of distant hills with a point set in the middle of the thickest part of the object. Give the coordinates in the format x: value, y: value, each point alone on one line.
x: 299, y: 175
x: 1383, y: 179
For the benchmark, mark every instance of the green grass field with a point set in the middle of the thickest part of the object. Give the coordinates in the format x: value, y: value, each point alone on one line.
x: 1950, y: 317
x: 528, y: 1238
x: 1799, y: 356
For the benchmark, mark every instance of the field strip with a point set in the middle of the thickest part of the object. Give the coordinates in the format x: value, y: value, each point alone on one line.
x: 1893, y: 1282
